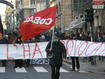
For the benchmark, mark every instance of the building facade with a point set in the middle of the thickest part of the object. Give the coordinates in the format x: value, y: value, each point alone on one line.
x: 10, y: 17
x: 29, y: 7
x: 67, y: 11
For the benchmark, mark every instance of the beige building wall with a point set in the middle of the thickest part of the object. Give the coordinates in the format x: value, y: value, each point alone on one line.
x: 99, y: 19
x: 25, y: 6
x: 71, y: 9
x: 30, y: 9
x: 67, y: 12
x: 103, y: 18
x: 25, y: 3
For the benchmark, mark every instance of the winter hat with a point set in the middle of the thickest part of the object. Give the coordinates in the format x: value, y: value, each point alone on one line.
x: 57, y: 35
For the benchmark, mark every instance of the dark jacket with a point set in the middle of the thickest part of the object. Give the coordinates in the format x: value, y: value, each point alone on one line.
x: 18, y: 40
x: 4, y: 41
x: 58, y: 51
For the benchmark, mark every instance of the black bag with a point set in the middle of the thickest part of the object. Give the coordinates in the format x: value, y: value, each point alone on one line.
x: 50, y: 54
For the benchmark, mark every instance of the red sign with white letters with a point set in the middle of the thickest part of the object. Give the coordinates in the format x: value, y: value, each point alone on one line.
x: 98, y: 2
x: 38, y: 23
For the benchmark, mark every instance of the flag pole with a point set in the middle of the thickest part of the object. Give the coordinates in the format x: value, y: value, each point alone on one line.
x: 53, y: 4
x: 53, y: 29
x: 52, y: 36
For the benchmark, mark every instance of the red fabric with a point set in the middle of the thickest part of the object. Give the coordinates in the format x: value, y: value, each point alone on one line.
x: 98, y: 2
x: 33, y: 27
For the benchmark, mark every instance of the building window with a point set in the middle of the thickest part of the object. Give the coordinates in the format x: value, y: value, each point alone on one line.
x: 32, y: 2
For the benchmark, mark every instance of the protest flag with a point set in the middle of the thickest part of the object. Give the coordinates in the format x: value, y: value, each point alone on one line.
x: 38, y: 23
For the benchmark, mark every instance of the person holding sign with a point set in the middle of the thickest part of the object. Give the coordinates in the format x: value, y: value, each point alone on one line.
x: 3, y: 41
x: 55, y: 53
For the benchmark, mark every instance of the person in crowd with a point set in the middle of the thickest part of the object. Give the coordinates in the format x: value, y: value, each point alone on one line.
x: 33, y: 40
x: 55, y: 53
x: 103, y: 40
x: 103, y: 36
x: 3, y: 41
x: 48, y: 36
x: 18, y: 62
x: 64, y: 36
x: 75, y: 60
x: 99, y: 38
x: 87, y: 36
x: 42, y: 38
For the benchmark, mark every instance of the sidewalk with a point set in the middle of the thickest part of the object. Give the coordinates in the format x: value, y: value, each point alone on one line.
x: 87, y: 67
x: 98, y: 68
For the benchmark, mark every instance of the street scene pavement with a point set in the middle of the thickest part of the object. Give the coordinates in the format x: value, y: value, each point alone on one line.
x: 87, y: 67
x: 98, y: 68
x: 87, y: 71
x: 75, y: 30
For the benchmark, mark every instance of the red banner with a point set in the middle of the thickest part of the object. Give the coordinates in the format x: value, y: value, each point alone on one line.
x: 38, y: 23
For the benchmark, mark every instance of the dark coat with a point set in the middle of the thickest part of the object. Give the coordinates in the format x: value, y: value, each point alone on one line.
x: 58, y: 51
x: 18, y: 40
x: 4, y: 41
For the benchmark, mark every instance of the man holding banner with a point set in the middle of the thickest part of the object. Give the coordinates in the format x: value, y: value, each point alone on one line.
x: 55, y: 53
x: 39, y: 23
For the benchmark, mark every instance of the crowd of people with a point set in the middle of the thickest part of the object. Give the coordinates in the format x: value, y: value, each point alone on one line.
x: 56, y: 58
x: 11, y: 38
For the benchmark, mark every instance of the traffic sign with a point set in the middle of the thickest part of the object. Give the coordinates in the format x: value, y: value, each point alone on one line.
x: 98, y: 2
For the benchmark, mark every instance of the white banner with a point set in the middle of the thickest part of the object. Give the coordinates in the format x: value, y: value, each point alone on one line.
x: 37, y: 50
